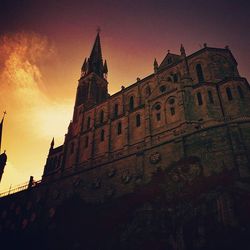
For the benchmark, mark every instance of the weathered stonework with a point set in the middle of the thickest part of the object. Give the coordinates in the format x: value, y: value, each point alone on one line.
x: 187, y: 124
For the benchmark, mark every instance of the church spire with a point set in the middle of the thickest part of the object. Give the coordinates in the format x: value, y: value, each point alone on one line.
x: 96, y: 53
x: 93, y: 85
x: 95, y: 62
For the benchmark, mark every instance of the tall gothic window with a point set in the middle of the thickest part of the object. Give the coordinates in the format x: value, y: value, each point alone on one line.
x: 86, y: 141
x: 158, y: 110
x: 199, y: 98
x: 172, y: 111
x: 131, y: 103
x: 102, y: 135
x: 119, y: 128
x: 101, y: 116
x: 116, y: 110
x: 158, y: 116
x: 210, y: 96
x: 147, y: 91
x: 175, y: 77
x: 88, y: 123
x: 229, y: 94
x: 138, y: 120
x: 241, y: 94
x: 199, y: 73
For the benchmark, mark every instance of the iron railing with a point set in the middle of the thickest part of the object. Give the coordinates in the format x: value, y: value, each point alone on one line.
x: 19, y: 188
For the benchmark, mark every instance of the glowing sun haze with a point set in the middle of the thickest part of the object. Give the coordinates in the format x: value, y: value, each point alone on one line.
x: 43, y: 45
x: 33, y: 117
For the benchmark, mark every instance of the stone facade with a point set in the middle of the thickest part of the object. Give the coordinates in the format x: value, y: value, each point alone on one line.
x: 194, y: 105
x: 173, y: 146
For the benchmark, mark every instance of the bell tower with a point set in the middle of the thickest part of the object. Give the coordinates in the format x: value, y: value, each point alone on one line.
x: 93, y: 86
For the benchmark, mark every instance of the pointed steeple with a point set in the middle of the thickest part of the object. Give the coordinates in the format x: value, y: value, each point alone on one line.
x: 95, y: 62
x: 93, y: 85
x: 96, y: 53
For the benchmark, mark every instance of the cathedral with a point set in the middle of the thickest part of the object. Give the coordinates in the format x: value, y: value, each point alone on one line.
x: 162, y: 164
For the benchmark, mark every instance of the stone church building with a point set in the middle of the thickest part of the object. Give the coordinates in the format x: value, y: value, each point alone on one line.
x: 161, y: 164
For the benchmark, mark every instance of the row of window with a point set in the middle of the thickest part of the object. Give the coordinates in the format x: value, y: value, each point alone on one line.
x: 119, y: 126
x: 228, y: 92
x: 101, y: 114
x: 137, y: 123
x: 116, y: 112
x: 102, y: 134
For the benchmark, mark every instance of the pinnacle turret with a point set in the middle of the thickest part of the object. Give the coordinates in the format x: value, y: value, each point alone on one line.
x: 155, y: 65
x: 182, y: 50
x: 52, y: 143
x: 105, y: 67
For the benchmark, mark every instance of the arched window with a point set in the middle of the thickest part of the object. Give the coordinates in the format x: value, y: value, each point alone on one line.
x: 116, y: 110
x: 101, y: 116
x: 158, y: 116
x: 72, y: 147
x: 175, y: 77
x: 102, y: 135
x: 199, y: 98
x: 147, y: 91
x: 199, y: 73
x: 119, y: 128
x: 138, y: 120
x: 131, y: 103
x: 157, y: 107
x: 210, y: 96
x: 172, y: 111
x: 241, y: 94
x: 88, y: 123
x: 86, y: 141
x: 229, y: 94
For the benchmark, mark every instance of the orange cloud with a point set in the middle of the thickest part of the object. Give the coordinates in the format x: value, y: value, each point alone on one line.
x: 33, y: 117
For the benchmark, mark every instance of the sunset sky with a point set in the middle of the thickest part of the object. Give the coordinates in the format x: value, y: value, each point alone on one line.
x: 43, y: 44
